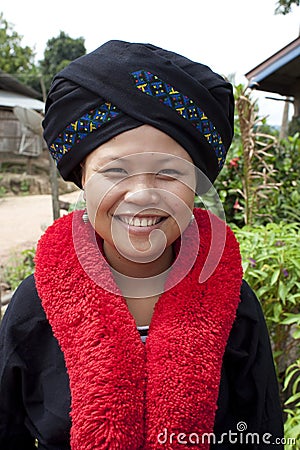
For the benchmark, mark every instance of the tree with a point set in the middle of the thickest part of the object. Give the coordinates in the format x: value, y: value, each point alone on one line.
x: 59, y: 52
x: 285, y: 6
x: 14, y: 58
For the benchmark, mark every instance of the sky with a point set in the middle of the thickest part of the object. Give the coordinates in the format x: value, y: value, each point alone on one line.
x: 230, y: 36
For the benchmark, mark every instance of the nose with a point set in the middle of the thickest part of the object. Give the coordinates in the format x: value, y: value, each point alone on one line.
x: 141, y: 190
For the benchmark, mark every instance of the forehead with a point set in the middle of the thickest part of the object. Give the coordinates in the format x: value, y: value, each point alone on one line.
x: 143, y: 144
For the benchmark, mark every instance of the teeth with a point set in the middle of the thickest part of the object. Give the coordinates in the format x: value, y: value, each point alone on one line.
x: 136, y: 222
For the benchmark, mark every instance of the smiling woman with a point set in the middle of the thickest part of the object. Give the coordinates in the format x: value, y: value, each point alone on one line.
x: 142, y: 201
x: 136, y: 323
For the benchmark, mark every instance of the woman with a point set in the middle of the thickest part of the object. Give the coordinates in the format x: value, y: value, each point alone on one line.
x: 136, y: 330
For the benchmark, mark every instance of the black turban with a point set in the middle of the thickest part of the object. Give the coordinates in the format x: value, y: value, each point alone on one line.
x: 121, y: 86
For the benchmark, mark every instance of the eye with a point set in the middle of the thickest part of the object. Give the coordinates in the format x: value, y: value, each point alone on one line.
x: 114, y: 171
x: 169, y: 173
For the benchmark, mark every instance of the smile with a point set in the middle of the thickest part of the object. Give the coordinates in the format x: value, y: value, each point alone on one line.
x: 140, y: 221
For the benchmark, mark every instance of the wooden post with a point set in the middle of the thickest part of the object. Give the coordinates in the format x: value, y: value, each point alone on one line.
x: 52, y: 171
x: 285, y: 120
x: 54, y: 188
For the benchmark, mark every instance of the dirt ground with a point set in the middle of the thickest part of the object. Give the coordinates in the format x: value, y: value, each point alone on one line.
x: 23, y: 221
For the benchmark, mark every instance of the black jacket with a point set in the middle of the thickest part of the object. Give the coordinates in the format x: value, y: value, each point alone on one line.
x: 35, y: 394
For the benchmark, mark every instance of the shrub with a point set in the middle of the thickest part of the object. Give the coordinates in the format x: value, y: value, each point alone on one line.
x: 260, y: 180
x: 19, y: 267
x: 271, y: 263
x: 292, y: 424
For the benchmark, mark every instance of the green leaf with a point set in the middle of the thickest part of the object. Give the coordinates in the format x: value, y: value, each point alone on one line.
x: 277, y: 311
x: 295, y: 262
x: 288, y: 378
x: 275, y: 276
x: 295, y: 385
x: 293, y: 398
x: 282, y: 291
x: 291, y: 318
x: 296, y: 334
x: 294, y: 434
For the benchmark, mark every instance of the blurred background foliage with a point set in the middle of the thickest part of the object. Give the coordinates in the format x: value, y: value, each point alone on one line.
x: 260, y: 191
x: 20, y: 62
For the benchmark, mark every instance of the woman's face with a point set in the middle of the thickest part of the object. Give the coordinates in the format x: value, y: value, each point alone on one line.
x: 139, y: 190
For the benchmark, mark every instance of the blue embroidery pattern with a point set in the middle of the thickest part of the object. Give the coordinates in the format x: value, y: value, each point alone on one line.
x: 81, y: 128
x: 151, y: 85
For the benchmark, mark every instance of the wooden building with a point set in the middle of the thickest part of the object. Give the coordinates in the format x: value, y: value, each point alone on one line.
x: 17, y: 136
x: 280, y: 73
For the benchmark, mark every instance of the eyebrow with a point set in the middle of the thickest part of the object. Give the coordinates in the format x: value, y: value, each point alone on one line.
x: 113, y: 158
x: 127, y: 157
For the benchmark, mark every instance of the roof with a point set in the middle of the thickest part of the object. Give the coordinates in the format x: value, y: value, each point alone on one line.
x: 12, y: 99
x: 14, y: 93
x: 9, y: 83
x: 280, y: 73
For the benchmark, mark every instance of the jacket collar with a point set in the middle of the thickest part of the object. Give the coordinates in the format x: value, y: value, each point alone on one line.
x: 126, y: 394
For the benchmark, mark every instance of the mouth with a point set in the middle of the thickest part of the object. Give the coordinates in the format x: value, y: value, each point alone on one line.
x: 141, y: 221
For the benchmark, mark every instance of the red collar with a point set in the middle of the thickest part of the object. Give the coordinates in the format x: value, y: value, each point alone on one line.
x: 125, y: 393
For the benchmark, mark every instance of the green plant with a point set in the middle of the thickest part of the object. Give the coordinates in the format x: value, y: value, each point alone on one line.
x: 58, y: 53
x: 19, y: 267
x: 14, y: 57
x: 292, y: 423
x: 2, y: 188
x: 258, y: 173
x: 271, y: 263
x: 286, y: 201
x: 259, y: 182
x: 2, y: 191
x: 285, y: 6
x: 25, y: 186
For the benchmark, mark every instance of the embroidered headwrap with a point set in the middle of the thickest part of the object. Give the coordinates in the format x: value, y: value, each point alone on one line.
x: 121, y: 86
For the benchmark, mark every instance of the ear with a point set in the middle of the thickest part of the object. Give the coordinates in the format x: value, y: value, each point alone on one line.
x: 83, y: 174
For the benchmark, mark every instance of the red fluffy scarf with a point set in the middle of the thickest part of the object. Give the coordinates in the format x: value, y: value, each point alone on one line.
x: 125, y: 394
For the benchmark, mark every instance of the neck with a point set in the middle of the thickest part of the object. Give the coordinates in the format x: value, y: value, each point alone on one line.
x: 139, y: 280
x: 136, y: 269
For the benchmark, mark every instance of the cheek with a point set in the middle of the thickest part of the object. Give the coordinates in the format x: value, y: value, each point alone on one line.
x: 182, y: 203
x: 190, y: 199
x: 100, y: 198
x: 183, y: 197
